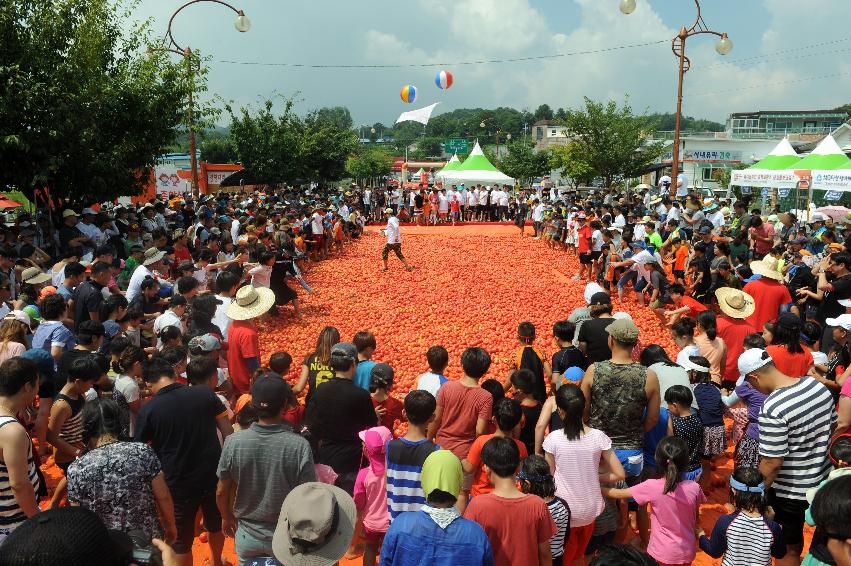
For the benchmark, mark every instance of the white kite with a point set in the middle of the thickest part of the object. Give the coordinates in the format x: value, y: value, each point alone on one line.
x: 420, y: 115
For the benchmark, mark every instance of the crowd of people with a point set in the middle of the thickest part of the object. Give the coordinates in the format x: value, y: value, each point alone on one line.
x: 130, y: 359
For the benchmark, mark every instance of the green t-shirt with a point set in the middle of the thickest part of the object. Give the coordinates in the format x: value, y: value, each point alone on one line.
x: 655, y: 240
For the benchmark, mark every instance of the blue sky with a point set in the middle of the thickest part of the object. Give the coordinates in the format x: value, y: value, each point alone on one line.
x: 775, y: 55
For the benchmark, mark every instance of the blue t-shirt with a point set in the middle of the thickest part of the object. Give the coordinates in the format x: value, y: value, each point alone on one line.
x: 362, y: 374
x: 53, y: 332
x: 709, y: 404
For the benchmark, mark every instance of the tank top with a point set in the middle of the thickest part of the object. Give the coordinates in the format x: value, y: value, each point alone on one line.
x: 11, y: 514
x: 72, y: 428
x: 618, y: 401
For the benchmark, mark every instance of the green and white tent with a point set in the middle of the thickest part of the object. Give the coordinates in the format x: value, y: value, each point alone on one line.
x: 827, y: 156
x: 783, y: 156
x: 762, y: 173
x: 477, y: 168
x: 453, y: 165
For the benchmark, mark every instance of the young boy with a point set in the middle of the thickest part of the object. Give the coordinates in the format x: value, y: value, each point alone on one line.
x: 680, y: 258
x: 682, y: 305
x: 405, y: 456
x: 523, y: 381
x: 506, y: 416
x: 431, y: 381
x: 389, y: 409
x: 365, y: 343
x: 519, y: 526
x: 568, y: 355
x: 531, y: 358
x: 583, y: 246
x: 280, y: 363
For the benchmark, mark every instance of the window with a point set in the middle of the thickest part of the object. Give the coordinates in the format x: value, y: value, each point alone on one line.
x: 708, y: 174
x: 539, y: 133
x: 746, y: 123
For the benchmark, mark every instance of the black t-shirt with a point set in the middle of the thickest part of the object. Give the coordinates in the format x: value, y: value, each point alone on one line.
x: 593, y: 333
x: 829, y: 306
x: 527, y: 431
x: 87, y: 299
x: 179, y: 422
x: 68, y: 233
x: 317, y: 374
x: 567, y: 358
x: 418, y: 201
x: 338, y: 412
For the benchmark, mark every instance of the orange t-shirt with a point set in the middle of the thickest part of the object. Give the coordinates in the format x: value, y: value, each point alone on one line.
x: 680, y: 257
x: 793, y: 365
x: 481, y: 485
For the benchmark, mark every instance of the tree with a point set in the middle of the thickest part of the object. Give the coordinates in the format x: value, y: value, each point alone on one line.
x: 337, y: 116
x: 429, y: 147
x: 370, y: 163
x: 325, y: 146
x: 544, y: 112
x: 217, y: 149
x: 83, y: 109
x: 614, y: 142
x: 571, y: 163
x: 523, y: 162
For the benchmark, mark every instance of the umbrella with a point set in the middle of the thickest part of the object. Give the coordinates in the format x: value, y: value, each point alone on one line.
x: 835, y: 213
x: 6, y: 202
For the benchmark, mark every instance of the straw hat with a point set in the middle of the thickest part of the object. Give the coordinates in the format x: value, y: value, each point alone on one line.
x: 767, y: 268
x: 735, y: 303
x: 34, y: 276
x: 152, y: 255
x: 251, y: 302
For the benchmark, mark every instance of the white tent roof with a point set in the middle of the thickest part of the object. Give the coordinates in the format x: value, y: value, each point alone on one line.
x: 784, y: 148
x: 828, y: 146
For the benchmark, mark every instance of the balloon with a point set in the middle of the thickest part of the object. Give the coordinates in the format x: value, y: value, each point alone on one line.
x: 408, y: 94
x: 443, y: 79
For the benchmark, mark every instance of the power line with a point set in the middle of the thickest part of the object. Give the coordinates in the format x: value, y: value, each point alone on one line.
x: 780, y: 52
x: 444, y: 64
x: 764, y: 85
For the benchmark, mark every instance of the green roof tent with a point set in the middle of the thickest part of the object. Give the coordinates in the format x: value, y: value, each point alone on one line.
x: 453, y: 165
x: 827, y: 156
x: 783, y: 156
x: 477, y: 161
x: 477, y: 168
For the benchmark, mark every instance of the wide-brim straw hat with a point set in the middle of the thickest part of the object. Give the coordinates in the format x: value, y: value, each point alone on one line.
x: 153, y: 255
x: 735, y: 303
x: 767, y: 268
x: 250, y: 302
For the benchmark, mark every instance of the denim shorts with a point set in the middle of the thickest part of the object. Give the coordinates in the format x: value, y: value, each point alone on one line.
x: 632, y: 461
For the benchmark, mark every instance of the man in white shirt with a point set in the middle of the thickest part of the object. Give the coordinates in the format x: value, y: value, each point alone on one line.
x: 394, y: 239
x: 664, y: 185
x: 537, y: 217
x: 226, y: 286
x: 173, y: 316
x: 234, y: 230
x: 152, y: 262
x: 682, y: 185
x: 470, y: 208
x: 367, y: 200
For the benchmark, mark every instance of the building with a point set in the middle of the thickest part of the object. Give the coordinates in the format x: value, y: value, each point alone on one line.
x: 797, y: 125
x: 546, y: 133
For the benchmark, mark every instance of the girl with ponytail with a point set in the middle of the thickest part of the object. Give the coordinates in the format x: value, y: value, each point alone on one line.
x: 710, y: 346
x: 674, y: 504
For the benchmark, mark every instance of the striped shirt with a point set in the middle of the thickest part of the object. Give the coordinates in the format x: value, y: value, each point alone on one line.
x: 560, y: 513
x: 795, y: 424
x: 404, y: 470
x: 72, y: 429
x: 744, y: 540
x: 11, y: 514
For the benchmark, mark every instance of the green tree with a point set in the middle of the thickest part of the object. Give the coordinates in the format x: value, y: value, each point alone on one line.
x: 370, y: 163
x: 325, y: 146
x: 523, y: 162
x: 337, y: 116
x: 217, y: 149
x: 544, y: 112
x: 84, y: 110
x: 613, y: 140
x: 429, y: 148
x: 571, y: 163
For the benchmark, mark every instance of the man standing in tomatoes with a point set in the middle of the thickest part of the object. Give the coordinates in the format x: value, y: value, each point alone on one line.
x: 583, y: 246
x: 394, y: 239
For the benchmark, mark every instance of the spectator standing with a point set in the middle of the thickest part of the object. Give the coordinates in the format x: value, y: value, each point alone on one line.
x: 768, y: 292
x: 88, y: 295
x: 244, y: 347
x: 732, y: 328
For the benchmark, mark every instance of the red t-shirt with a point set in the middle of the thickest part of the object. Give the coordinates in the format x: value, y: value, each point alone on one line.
x: 584, y: 243
x: 294, y: 416
x: 393, y: 411
x: 768, y: 295
x: 515, y: 527
x: 462, y: 407
x: 793, y: 365
x: 696, y: 306
x: 243, y: 343
x: 481, y: 484
x: 733, y: 331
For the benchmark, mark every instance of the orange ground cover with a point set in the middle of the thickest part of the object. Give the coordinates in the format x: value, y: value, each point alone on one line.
x: 471, y: 287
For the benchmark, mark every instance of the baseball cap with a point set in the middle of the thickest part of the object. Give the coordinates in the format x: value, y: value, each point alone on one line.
x: 269, y: 392
x: 382, y: 372
x: 623, y: 330
x: 638, y: 244
x: 842, y: 321
x: 388, y: 211
x: 818, y: 217
x: 345, y: 350
x: 844, y: 302
x: 705, y: 230
x: 20, y: 316
x: 86, y: 211
x: 68, y: 212
x: 205, y: 343
x: 600, y: 298
x: 755, y: 358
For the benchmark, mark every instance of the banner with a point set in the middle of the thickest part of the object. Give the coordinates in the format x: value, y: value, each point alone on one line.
x: 167, y: 181
x: 832, y: 180
x: 764, y: 178
x: 420, y: 115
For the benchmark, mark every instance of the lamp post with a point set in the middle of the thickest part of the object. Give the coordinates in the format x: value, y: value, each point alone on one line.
x: 242, y: 25
x: 678, y: 46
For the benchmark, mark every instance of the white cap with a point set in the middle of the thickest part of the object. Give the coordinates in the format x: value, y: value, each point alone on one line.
x: 843, y: 321
x: 818, y: 217
x: 88, y: 211
x: 689, y: 365
x: 845, y: 302
x: 753, y: 359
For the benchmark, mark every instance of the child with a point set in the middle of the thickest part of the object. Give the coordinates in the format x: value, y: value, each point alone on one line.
x: 261, y: 274
x: 405, y: 456
x: 523, y: 381
x: 684, y: 423
x: 507, y: 416
x: 745, y: 536
x: 674, y: 501
x: 387, y: 407
x: 839, y: 453
x: 494, y: 387
x: 568, y: 355
x: 519, y: 526
x: 531, y: 358
x: 365, y: 344
x: 680, y: 258
x: 280, y: 363
x: 432, y: 380
x: 535, y: 478
x: 710, y: 408
x: 370, y: 492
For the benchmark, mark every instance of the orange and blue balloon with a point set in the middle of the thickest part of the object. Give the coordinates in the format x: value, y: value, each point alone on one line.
x: 408, y: 94
x: 443, y: 80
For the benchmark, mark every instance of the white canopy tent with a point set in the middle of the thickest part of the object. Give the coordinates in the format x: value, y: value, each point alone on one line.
x: 478, y: 169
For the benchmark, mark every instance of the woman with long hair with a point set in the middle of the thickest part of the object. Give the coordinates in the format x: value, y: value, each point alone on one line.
x: 682, y: 332
x: 316, y: 368
x: 710, y: 346
x: 122, y: 482
x: 13, y: 337
x: 789, y: 355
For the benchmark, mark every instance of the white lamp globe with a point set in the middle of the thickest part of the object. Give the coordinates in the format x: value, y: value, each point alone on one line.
x: 627, y: 6
x: 242, y: 23
x: 724, y: 45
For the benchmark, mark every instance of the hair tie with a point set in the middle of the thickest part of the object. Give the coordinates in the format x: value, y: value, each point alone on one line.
x: 739, y: 486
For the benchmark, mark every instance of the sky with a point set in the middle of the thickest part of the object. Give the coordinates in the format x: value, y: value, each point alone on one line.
x: 788, y: 54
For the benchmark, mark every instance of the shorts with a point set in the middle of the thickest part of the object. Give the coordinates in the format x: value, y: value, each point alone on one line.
x: 395, y: 248
x: 714, y: 441
x: 373, y: 536
x: 574, y: 548
x: 747, y: 453
x: 632, y: 461
x: 789, y: 514
x: 318, y: 240
x: 585, y: 258
x: 185, y: 511
x: 248, y: 546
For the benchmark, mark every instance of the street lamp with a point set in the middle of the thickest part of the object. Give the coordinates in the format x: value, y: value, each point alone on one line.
x: 242, y: 25
x: 678, y: 46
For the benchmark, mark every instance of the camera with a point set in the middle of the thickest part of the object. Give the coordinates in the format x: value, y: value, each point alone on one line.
x: 144, y: 552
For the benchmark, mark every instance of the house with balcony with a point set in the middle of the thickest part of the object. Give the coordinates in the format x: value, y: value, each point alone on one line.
x: 797, y: 125
x: 546, y: 133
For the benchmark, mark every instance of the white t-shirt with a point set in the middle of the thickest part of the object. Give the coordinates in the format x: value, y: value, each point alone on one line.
x: 201, y: 275
x: 639, y: 232
x: 443, y: 204
x: 130, y: 390
x: 619, y: 220
x: 717, y: 218
x: 483, y: 198
x: 316, y: 224
x: 472, y: 200
x: 261, y: 276
x: 503, y: 198
x: 221, y: 319
x: 166, y: 319
x: 392, y: 232
x: 597, y: 238
x: 682, y: 185
x: 538, y: 213
x: 367, y: 194
x: 234, y: 230
x: 430, y: 382
x: 673, y: 214
x: 662, y: 181
x: 135, y: 284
